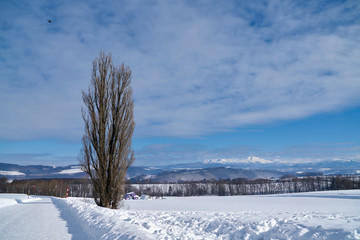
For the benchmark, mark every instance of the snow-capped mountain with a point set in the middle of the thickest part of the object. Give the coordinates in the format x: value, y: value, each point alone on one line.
x: 251, y: 167
x: 250, y: 159
x: 14, y: 171
x: 212, y: 174
x: 324, y: 167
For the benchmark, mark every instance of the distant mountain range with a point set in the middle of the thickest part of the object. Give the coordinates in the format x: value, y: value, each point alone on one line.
x: 14, y: 171
x: 214, y: 169
x: 211, y: 174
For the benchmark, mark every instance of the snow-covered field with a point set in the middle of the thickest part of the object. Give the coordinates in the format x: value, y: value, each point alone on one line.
x: 316, y: 215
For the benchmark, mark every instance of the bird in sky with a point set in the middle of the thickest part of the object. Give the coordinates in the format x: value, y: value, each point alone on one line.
x: 49, y: 21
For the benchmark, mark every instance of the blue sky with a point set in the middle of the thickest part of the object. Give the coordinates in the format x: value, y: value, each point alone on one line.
x: 277, y: 80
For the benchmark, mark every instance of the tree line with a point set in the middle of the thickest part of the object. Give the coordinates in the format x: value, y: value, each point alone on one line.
x: 84, y: 187
x: 48, y: 187
x: 247, y: 187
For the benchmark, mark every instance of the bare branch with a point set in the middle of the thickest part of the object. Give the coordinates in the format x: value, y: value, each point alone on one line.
x: 109, y: 125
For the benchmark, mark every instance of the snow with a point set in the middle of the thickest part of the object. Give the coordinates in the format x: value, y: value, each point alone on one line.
x: 315, y: 215
x: 151, y: 168
x: 28, y: 200
x: 7, y: 200
x: 249, y: 159
x: 11, y: 173
x: 13, y: 199
x: 31, y: 218
x: 70, y: 171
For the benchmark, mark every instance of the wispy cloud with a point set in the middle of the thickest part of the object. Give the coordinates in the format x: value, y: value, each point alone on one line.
x: 24, y: 158
x: 197, y: 68
x: 37, y: 159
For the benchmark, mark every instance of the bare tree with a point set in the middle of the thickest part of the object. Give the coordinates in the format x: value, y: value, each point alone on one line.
x: 109, y: 125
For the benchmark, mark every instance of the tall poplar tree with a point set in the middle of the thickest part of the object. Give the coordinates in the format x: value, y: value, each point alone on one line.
x: 109, y: 125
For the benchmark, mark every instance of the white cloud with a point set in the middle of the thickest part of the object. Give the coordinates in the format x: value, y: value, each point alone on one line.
x: 197, y: 68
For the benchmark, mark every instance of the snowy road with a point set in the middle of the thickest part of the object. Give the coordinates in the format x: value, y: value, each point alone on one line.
x: 34, y: 218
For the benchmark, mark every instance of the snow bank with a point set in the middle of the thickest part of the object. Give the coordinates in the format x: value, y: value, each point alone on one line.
x: 4, y: 202
x: 92, y: 222
x: 27, y: 200
x: 320, y: 215
x: 15, y: 198
x: 211, y: 225
x: 12, y: 199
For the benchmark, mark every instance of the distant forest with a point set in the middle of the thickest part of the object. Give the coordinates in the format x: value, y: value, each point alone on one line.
x: 83, y: 187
